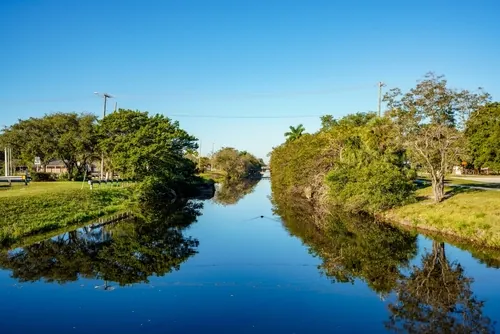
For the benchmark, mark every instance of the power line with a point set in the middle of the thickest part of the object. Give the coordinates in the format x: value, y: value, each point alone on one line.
x: 240, y: 116
x: 261, y: 94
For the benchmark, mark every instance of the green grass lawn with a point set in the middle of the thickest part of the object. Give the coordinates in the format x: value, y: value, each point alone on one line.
x: 46, y: 206
x: 217, y: 176
x: 472, y: 215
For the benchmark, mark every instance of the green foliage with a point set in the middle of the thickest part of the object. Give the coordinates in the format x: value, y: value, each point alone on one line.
x: 483, y: 134
x: 354, y: 162
x: 430, y: 118
x: 295, y: 132
x: 66, y: 136
x: 371, y: 173
x: 43, y: 177
x: 139, y: 145
x: 236, y: 164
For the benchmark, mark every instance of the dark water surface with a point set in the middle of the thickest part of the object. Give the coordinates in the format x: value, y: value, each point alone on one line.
x: 240, y: 273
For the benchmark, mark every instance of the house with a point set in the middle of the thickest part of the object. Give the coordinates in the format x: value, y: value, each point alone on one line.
x: 58, y: 167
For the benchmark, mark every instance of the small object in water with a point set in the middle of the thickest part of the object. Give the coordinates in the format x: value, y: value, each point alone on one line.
x: 261, y: 216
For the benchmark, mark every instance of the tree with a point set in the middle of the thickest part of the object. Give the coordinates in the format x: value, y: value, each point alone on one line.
x: 29, y: 139
x: 140, y: 145
x: 236, y: 164
x: 430, y: 118
x: 483, y: 135
x: 232, y: 192
x: 355, y: 163
x: 74, y: 139
x: 295, y: 132
x: 70, y: 137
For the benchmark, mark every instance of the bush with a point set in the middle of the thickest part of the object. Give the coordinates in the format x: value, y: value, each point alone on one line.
x: 355, y: 163
x: 43, y: 177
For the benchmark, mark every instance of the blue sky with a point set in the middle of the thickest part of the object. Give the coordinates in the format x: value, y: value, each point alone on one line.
x: 270, y: 60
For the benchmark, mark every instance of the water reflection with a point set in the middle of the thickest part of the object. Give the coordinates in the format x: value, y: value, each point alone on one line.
x: 125, y: 252
x: 432, y: 297
x: 232, y: 192
x: 352, y: 247
x: 436, y: 297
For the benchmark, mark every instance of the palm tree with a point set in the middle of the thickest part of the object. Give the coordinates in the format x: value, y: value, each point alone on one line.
x: 295, y: 132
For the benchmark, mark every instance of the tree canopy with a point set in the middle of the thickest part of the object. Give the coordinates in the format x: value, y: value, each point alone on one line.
x: 483, y: 135
x: 138, y: 144
x: 236, y: 164
x: 354, y: 162
x: 430, y: 118
x: 69, y: 137
x: 295, y: 132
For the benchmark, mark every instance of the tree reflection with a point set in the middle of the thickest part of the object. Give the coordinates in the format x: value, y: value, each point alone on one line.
x: 437, y: 298
x: 351, y: 247
x: 125, y: 252
x: 233, y: 191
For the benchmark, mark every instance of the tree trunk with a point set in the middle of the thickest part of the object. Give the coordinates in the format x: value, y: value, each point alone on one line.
x: 438, y: 250
x: 438, y: 188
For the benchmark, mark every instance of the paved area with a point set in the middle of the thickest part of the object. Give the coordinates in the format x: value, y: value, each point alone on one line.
x: 485, y: 179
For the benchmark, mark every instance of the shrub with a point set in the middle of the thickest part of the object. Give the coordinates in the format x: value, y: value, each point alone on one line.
x: 43, y: 177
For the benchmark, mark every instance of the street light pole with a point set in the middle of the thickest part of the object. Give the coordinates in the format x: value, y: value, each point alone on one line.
x: 380, y: 85
x: 105, y: 96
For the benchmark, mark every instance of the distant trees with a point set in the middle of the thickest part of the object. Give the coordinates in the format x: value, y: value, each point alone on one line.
x: 236, y: 164
x: 66, y: 136
x: 483, y: 135
x: 430, y: 118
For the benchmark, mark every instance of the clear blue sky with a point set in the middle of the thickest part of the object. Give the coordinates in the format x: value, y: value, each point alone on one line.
x: 237, y: 58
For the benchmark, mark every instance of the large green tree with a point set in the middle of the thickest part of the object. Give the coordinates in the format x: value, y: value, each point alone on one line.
x: 74, y: 139
x: 69, y: 137
x: 430, y: 118
x: 139, y: 145
x: 483, y: 135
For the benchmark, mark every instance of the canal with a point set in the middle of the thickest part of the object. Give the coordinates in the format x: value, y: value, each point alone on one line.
x: 231, y: 265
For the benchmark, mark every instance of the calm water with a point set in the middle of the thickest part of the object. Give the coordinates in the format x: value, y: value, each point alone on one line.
x: 240, y: 273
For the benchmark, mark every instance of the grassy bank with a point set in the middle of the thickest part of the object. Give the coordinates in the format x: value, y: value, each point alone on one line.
x: 468, y: 214
x: 42, y: 207
x: 217, y: 176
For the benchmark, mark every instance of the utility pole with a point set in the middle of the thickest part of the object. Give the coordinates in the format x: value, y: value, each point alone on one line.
x: 6, y: 162
x: 199, y: 157
x: 12, y: 169
x: 212, y: 164
x: 105, y: 96
x: 380, y: 85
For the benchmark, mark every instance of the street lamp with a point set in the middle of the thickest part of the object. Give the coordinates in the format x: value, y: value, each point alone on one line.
x: 105, y: 96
